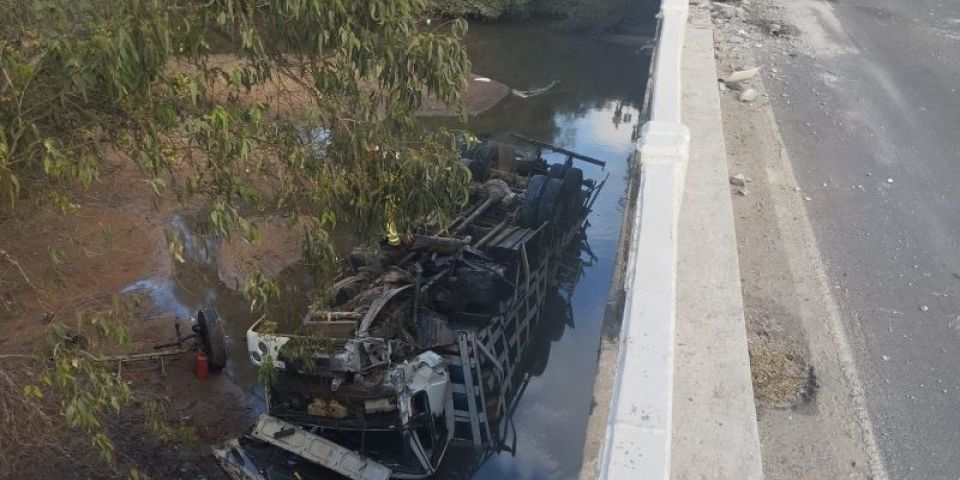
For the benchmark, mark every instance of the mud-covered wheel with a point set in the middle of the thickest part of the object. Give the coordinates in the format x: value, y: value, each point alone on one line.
x: 550, y: 201
x: 570, y: 193
x: 529, y: 211
x: 479, y: 159
x: 484, y: 158
x: 213, y: 338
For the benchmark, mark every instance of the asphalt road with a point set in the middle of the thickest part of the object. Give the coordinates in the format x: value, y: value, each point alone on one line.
x: 870, y: 116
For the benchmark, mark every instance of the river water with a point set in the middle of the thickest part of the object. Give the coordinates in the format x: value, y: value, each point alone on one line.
x: 593, y: 109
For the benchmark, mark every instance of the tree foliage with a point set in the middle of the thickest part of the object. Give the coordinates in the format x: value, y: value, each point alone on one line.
x: 88, y: 389
x: 304, y: 108
x: 301, y: 106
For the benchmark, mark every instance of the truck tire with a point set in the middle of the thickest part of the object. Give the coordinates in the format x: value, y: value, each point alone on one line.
x: 479, y: 159
x: 570, y: 194
x: 484, y: 158
x: 555, y: 171
x: 550, y: 201
x: 529, y: 211
x: 213, y: 339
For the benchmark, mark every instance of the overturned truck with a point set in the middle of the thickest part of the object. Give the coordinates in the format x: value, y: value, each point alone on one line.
x: 421, y: 348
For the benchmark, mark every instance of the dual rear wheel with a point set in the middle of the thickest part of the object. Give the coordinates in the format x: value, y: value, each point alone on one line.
x: 554, y: 197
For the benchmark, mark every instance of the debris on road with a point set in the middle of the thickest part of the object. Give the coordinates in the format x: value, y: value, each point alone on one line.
x: 740, y: 180
x: 724, y: 10
x: 736, y: 86
x: 749, y: 95
x: 741, y: 75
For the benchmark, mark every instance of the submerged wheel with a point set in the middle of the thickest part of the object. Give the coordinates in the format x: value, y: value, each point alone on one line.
x: 555, y: 171
x: 570, y: 194
x: 550, y: 201
x: 213, y: 339
x: 529, y: 211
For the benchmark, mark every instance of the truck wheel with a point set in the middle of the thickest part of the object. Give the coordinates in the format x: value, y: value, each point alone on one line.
x: 483, y: 158
x: 555, y: 171
x: 531, y: 201
x: 212, y: 338
x: 550, y: 201
x: 570, y: 194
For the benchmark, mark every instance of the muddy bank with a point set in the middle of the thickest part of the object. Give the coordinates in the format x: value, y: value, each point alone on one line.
x: 292, y: 98
x: 481, y: 95
x: 63, y: 262
x: 62, y: 265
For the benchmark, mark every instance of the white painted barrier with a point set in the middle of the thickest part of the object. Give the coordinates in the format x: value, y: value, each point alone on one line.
x: 638, y: 432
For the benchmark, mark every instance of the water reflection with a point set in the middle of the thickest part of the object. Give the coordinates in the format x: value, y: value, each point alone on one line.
x: 593, y: 110
x: 555, y: 317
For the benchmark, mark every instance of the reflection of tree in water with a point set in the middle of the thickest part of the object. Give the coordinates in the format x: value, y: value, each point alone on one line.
x: 555, y: 315
x: 590, y: 74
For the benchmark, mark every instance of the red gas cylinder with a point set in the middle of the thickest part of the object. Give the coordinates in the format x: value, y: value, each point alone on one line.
x: 202, y: 367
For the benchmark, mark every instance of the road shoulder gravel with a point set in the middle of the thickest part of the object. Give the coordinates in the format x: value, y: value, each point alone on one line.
x: 812, y: 416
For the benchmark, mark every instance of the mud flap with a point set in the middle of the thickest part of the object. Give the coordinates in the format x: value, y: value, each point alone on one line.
x: 318, y: 450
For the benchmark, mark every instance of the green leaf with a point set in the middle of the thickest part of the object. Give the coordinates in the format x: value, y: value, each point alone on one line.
x: 32, y: 392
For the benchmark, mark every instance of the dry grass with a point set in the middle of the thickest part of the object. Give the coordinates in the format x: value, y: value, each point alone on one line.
x: 781, y: 376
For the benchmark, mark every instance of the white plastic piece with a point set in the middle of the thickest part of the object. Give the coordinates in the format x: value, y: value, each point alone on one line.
x: 318, y: 450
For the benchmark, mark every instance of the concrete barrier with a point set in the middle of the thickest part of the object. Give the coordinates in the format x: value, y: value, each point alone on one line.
x: 637, y: 441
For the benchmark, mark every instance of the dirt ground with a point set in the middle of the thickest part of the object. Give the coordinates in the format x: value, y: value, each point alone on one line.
x: 114, y: 239
x: 810, y: 406
x: 289, y: 98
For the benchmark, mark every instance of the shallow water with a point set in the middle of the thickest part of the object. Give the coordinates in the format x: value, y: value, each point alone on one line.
x: 592, y: 109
